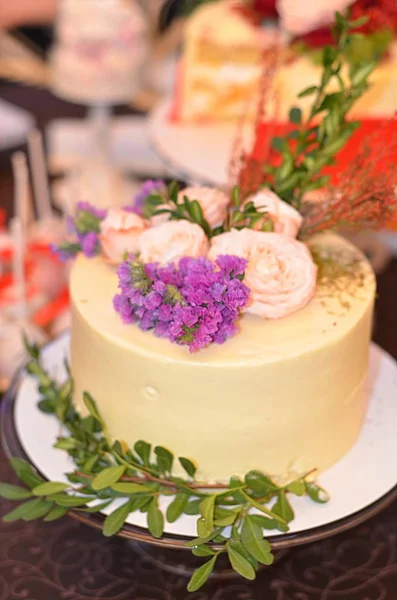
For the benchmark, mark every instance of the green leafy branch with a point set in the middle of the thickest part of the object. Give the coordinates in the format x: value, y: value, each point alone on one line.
x: 231, y: 518
x: 170, y: 204
x: 315, y: 140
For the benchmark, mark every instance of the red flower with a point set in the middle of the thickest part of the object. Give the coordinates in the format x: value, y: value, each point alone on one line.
x: 265, y: 8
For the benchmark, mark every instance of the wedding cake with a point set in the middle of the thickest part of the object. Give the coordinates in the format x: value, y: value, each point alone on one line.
x: 99, y: 52
x: 276, y: 385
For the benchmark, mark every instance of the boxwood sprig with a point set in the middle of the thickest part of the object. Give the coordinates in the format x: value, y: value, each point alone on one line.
x: 232, y: 518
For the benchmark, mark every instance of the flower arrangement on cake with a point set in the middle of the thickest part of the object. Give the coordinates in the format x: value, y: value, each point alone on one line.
x: 221, y: 299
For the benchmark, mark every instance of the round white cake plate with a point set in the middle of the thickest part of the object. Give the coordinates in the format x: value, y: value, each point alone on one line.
x: 196, y: 153
x: 360, y: 485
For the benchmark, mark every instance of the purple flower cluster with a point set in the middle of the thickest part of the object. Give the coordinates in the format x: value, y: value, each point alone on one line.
x: 151, y: 186
x: 85, y: 228
x: 195, y: 303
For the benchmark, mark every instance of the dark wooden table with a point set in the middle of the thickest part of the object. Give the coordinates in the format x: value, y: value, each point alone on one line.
x: 67, y: 560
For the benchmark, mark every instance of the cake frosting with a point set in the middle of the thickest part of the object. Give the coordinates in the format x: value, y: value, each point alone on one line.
x: 100, y: 49
x: 262, y: 400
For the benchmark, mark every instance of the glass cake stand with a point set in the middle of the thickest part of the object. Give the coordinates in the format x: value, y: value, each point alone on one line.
x: 363, y: 483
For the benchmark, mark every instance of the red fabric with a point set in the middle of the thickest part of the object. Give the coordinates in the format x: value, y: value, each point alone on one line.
x: 368, y: 127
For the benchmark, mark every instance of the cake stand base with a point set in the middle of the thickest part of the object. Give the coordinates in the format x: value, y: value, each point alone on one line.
x: 357, y: 493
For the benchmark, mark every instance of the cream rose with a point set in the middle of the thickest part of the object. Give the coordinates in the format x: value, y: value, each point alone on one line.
x: 297, y: 18
x: 285, y: 217
x: 213, y: 202
x: 280, y: 272
x: 120, y: 232
x: 171, y: 241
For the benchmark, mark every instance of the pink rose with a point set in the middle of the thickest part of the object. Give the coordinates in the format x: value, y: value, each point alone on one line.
x: 280, y: 273
x: 299, y: 18
x: 171, y: 241
x: 286, y: 219
x: 120, y: 233
x: 213, y: 202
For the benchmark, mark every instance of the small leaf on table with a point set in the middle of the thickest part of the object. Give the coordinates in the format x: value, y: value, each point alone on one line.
x: 56, y: 513
x: 202, y: 574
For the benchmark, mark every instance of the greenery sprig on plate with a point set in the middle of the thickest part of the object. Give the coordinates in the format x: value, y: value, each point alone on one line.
x: 231, y: 518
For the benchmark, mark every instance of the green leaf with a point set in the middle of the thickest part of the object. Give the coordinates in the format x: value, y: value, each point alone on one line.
x: 329, y: 55
x: 165, y: 459
x: 201, y: 527
x: 252, y: 539
x: 90, y: 464
x: 14, y: 492
x: 46, y: 406
x: 155, y: 519
x: 173, y: 190
x: 240, y: 564
x: 278, y: 143
x: 26, y: 473
x: 264, y: 509
x: 199, y: 541
x: 71, y: 501
x: 358, y: 22
x: 115, y: 521
x: 143, y: 450
x: 236, y: 196
x: 97, y: 508
x: 108, y: 477
x: 92, y: 407
x: 362, y: 73
x: 66, y: 444
x: 295, y: 115
x: 177, y: 507
x: 260, y: 483
x: 237, y: 545
x: 308, y: 91
x: 265, y: 522
x: 282, y: 508
x: 50, y: 487
x: 235, y: 483
x: 316, y: 493
x: 125, y: 487
x: 207, y: 508
x: 297, y: 487
x: 188, y: 465
x: 21, y: 511
x: 56, y: 513
x: 36, y: 509
x: 332, y: 148
x: 193, y: 507
x: 224, y: 517
x: 200, y: 577
x: 203, y: 551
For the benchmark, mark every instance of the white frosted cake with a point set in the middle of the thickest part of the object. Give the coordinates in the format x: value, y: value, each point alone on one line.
x: 100, y: 49
x: 283, y: 395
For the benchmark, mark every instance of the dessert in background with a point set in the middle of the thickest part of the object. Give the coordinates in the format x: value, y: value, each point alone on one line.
x: 100, y: 49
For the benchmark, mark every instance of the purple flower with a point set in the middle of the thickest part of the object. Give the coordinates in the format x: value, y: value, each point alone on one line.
x: 99, y: 213
x: 90, y: 244
x: 231, y: 266
x: 151, y: 186
x: 195, y: 303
